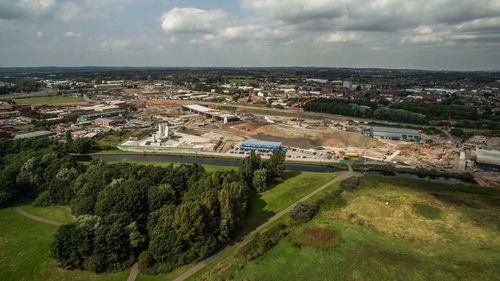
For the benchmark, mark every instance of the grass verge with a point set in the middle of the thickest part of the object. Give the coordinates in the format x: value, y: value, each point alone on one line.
x: 25, y: 255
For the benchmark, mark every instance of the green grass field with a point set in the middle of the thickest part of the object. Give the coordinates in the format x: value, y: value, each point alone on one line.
x: 369, y: 239
x: 242, y: 80
x: 24, y: 251
x: 295, y: 186
x: 122, y: 136
x: 48, y: 99
x: 55, y: 213
x: 208, y: 168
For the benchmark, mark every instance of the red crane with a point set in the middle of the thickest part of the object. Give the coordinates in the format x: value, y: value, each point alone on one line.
x: 302, y: 103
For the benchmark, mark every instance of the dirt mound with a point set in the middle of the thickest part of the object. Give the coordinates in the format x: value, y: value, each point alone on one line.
x: 188, y: 131
x: 295, y: 142
x: 317, y: 136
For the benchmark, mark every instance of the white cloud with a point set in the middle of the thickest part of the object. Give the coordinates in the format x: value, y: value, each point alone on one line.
x: 26, y: 9
x: 193, y: 20
x: 72, y: 34
x: 39, y: 34
x: 340, y: 37
x: 115, y: 44
x: 69, y: 11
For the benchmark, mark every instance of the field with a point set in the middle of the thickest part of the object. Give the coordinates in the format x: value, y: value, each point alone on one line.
x: 390, y: 229
x: 55, y: 213
x: 242, y: 80
x: 24, y: 249
x: 208, y: 168
x: 48, y: 99
x: 115, y: 138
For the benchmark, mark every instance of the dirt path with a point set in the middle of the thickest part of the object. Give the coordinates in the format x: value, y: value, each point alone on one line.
x: 28, y: 215
x: 133, y: 272
x: 208, y: 260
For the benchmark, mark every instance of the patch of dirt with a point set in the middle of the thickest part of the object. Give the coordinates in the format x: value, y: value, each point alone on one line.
x: 188, y: 131
x: 295, y: 142
x: 325, y: 237
x: 319, y: 136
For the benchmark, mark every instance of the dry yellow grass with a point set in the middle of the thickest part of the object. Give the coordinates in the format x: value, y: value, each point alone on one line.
x: 398, y: 218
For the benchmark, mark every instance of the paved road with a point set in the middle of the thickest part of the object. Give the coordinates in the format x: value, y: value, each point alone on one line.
x: 208, y: 260
x: 28, y: 215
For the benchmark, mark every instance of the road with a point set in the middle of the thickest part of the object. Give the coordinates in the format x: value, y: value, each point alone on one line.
x: 210, y: 259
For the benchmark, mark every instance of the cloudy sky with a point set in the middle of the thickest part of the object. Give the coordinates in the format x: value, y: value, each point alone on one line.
x: 423, y: 34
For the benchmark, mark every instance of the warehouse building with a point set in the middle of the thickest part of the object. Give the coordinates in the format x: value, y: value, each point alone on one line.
x: 36, y: 135
x: 208, y: 112
x: 260, y: 145
x: 393, y: 133
x: 488, y: 158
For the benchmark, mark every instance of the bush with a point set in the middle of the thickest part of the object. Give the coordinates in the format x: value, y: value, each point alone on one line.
x: 146, y: 261
x: 261, y: 243
x: 349, y: 184
x: 304, y: 211
x: 43, y: 200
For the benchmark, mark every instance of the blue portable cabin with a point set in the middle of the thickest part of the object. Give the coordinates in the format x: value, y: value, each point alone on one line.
x: 261, y: 145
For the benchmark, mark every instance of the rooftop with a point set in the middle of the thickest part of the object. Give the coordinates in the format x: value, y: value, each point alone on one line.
x: 395, y: 130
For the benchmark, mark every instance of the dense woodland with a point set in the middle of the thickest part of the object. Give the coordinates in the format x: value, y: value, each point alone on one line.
x: 407, y: 112
x: 165, y: 216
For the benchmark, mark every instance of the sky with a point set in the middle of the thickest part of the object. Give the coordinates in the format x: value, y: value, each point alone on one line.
x: 414, y: 34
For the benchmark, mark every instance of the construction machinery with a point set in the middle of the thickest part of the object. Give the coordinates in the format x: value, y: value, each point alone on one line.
x: 213, y: 114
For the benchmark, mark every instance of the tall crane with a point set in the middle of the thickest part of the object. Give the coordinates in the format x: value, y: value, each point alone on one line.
x: 298, y: 111
x: 302, y: 103
x: 213, y: 114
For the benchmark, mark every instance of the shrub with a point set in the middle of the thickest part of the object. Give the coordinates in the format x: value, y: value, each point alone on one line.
x: 43, y: 200
x: 304, y: 211
x: 146, y: 262
x: 349, y: 184
x: 261, y: 243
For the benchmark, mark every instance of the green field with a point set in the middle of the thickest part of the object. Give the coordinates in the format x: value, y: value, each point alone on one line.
x: 55, y: 213
x: 208, y: 168
x: 117, y: 137
x: 242, y: 80
x: 452, y: 233
x: 24, y: 251
x: 48, y: 99
x: 270, y: 202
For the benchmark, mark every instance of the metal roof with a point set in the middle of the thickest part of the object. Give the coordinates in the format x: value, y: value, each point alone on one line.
x: 199, y: 108
x: 488, y: 156
x: 395, y: 130
x: 261, y: 143
x: 34, y: 134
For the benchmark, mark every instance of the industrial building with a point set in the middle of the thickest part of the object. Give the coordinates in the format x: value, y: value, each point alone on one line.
x: 208, y: 112
x: 488, y: 157
x: 100, y: 115
x: 393, y: 133
x: 36, y: 135
x: 260, y: 145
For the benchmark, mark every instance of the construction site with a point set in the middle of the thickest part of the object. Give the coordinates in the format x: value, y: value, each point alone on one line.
x: 193, y: 128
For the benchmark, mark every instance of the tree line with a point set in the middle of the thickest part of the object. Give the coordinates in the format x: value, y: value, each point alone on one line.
x: 406, y: 112
x: 165, y: 216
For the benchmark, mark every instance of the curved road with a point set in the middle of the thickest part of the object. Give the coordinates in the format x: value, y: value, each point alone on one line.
x: 208, y: 260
